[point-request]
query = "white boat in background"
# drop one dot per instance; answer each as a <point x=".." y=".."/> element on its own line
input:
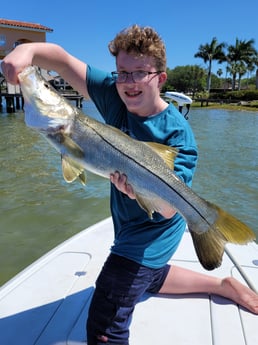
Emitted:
<point x="179" y="97"/>
<point x="181" y="100"/>
<point x="47" y="303"/>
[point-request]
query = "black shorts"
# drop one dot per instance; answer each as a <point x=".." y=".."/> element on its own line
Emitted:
<point x="119" y="287"/>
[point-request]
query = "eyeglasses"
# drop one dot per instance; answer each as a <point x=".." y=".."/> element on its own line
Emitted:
<point x="137" y="76"/>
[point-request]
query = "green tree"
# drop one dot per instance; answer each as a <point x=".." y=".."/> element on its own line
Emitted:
<point x="241" y="57"/>
<point x="209" y="52"/>
<point x="215" y="81"/>
<point x="188" y="79"/>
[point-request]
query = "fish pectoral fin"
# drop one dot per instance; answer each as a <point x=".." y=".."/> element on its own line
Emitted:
<point x="71" y="146"/>
<point x="72" y="170"/>
<point x="209" y="245"/>
<point x="167" y="153"/>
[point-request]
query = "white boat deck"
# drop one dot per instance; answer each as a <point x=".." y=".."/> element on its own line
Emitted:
<point x="47" y="303"/>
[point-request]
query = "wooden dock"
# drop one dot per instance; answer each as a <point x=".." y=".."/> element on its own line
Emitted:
<point x="14" y="101"/>
<point x="73" y="96"/>
<point x="12" y="97"/>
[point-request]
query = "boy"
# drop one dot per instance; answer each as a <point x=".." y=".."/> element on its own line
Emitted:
<point x="129" y="99"/>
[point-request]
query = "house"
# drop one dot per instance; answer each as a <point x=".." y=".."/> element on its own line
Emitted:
<point x="14" y="32"/>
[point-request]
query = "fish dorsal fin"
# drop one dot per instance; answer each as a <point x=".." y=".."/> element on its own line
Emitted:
<point x="72" y="170"/>
<point x="167" y="153"/>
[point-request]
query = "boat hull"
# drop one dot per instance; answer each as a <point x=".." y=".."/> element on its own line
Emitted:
<point x="47" y="303"/>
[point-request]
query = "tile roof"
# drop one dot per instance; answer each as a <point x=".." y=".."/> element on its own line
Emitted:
<point x="26" y="25"/>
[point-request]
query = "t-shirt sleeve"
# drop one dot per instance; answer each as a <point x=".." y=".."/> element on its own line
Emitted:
<point x="183" y="139"/>
<point x="185" y="164"/>
<point x="102" y="90"/>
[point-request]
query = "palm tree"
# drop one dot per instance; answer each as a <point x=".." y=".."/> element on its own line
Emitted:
<point x="219" y="73"/>
<point x="209" y="52"/>
<point x="241" y="57"/>
<point x="254" y="65"/>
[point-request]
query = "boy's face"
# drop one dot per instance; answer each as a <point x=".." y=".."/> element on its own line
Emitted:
<point x="141" y="98"/>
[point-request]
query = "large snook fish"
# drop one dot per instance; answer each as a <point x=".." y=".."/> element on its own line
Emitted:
<point x="85" y="143"/>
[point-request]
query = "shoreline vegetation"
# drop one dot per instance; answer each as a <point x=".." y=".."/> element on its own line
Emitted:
<point x="242" y="106"/>
<point x="228" y="103"/>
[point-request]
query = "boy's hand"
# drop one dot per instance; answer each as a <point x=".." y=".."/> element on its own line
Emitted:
<point x="119" y="180"/>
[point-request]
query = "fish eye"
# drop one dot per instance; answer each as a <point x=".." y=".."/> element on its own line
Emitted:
<point x="46" y="85"/>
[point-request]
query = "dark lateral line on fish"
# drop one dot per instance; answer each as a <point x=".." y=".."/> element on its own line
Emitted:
<point x="142" y="166"/>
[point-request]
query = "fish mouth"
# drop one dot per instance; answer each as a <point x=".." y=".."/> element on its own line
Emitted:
<point x="25" y="73"/>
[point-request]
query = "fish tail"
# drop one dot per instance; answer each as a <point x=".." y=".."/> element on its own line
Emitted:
<point x="209" y="245"/>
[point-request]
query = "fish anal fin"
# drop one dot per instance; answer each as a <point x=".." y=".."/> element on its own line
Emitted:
<point x="167" y="153"/>
<point x="72" y="170"/>
<point x="209" y="248"/>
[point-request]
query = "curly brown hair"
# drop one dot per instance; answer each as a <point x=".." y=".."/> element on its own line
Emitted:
<point x="137" y="40"/>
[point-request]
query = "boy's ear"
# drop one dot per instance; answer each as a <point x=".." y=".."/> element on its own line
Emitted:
<point x="162" y="77"/>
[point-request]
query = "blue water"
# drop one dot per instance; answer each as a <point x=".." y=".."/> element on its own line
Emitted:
<point x="39" y="210"/>
<point x="227" y="171"/>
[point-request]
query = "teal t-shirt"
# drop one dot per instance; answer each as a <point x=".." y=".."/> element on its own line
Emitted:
<point x="145" y="241"/>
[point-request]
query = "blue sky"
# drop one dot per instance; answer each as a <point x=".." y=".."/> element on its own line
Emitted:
<point x="85" y="28"/>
